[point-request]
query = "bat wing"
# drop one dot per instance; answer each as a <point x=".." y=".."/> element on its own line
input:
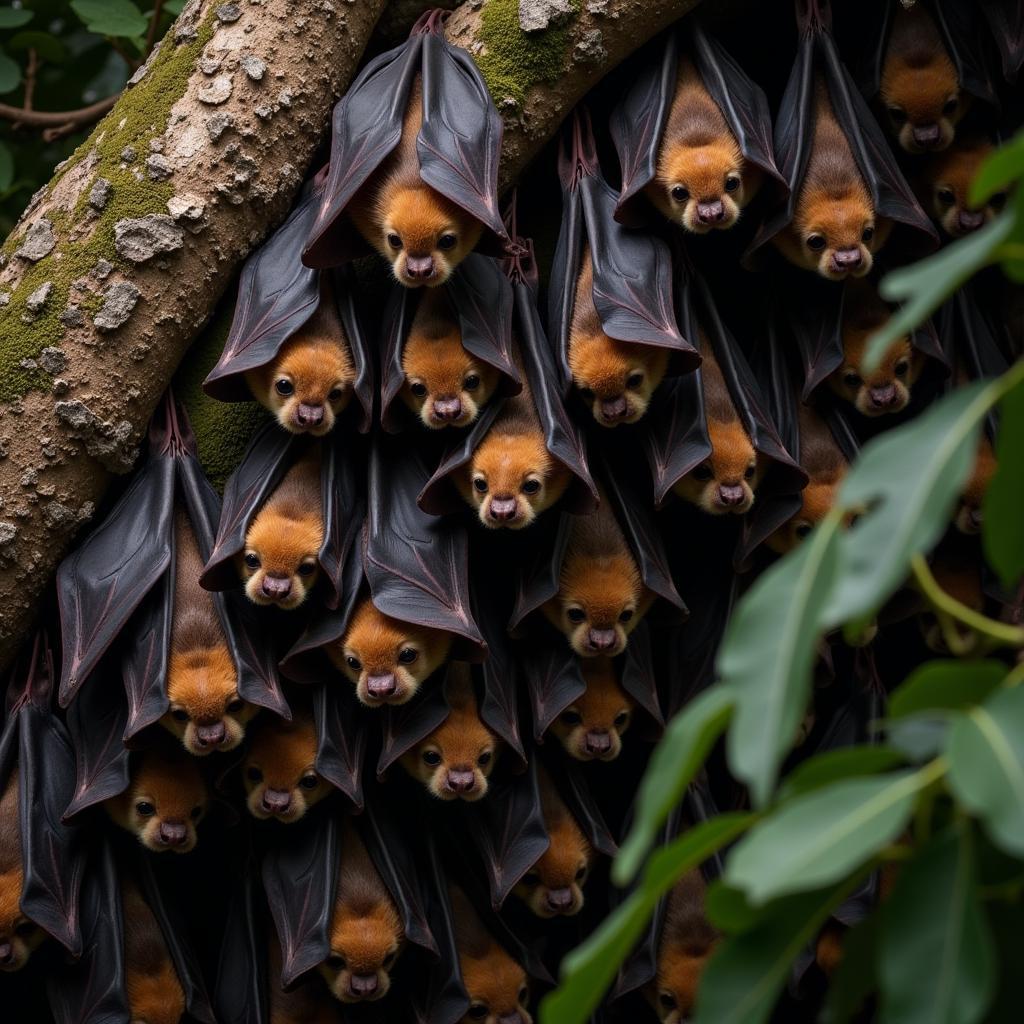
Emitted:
<point x="571" y="782"/>
<point x="565" y="272"/>
<point x="639" y="676"/>
<point x="240" y="995"/>
<point x="341" y="739"/>
<point x="553" y="681"/>
<point x="1006" y="20"/>
<point x="398" y="315"/>
<point x="342" y="508"/>
<point x="674" y="433"/>
<point x="405" y="726"/>
<point x="144" y="657"/>
<point x="538" y="581"/>
<point x="499" y="706"/>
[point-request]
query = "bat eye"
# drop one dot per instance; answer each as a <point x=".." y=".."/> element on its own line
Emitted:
<point x="950" y="106"/>
<point x="24" y="929"/>
<point x="576" y="615"/>
<point x="254" y="774"/>
<point x="586" y="394"/>
<point x="335" y="394"/>
<point x="898" y="114"/>
<point x="284" y="387"/>
<point x="581" y="874"/>
<point x="802" y="530"/>
<point x="627" y="614"/>
<point x="336" y="963"/>
<point x="748" y="473"/>
<point x="531" y="878"/>
<point x="418" y="389"/>
<point x="389" y="960"/>
<point x="634" y="380"/>
<point x="901" y="368"/>
<point x="571" y="717"/>
<point x="195" y="813"/>
<point x="484" y="759"/>
<point x="447" y="241"/>
<point x="703" y="472"/>
<point x="309" y="782"/>
<point x="851" y="380"/>
<point x="236" y="705"/>
<point x="432" y="758"/>
<point x="394" y="240"/>
<point x="477" y="1011"/>
<point x="252" y="560"/>
<point x="816" y="243"/>
<point x="480" y="485"/>
<point x="472" y="382"/>
<point x="946" y="196"/>
<point x="407" y="655"/>
<point x="353" y="663"/>
<point x="179" y="715"/>
<point x="307" y="568"/>
<point x="867" y="234"/>
<point x="732" y="183"/>
<point x="680" y="194"/>
<point x="531" y="487"/>
<point x="667" y="1000"/>
<point x="145" y="809"/>
<point x="621" y="719"/>
<point x="524" y="995"/>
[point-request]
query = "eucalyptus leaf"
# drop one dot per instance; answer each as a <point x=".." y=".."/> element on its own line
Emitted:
<point x="14" y="17"/>
<point x="844" y="763"/>
<point x="6" y="166"/>
<point x="10" y="74"/>
<point x="46" y="45"/>
<point x="1000" y="170"/>
<point x="855" y="978"/>
<point x="919" y="737"/>
<point x="1001" y="531"/>
<point x="118" y="18"/>
<point x="945" y="685"/>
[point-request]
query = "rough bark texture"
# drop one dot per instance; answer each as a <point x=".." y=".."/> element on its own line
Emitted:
<point x="120" y="260"/>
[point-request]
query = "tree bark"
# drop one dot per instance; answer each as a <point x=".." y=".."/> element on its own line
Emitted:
<point x="121" y="258"/>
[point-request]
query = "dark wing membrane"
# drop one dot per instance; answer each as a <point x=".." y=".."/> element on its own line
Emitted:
<point x="144" y="658"/>
<point x="403" y="727"/>
<point x="341" y="739"/>
<point x="240" y="994"/>
<point x="571" y="781"/>
<point x="639" y="676"/>
<point x="499" y="707"/>
<point x="553" y="680"/>
<point x="538" y="580"/>
<point x="398" y="314"/>
<point x="1006" y="20"/>
<point x="675" y="434"/>
<point x="565" y="272"/>
<point x="360" y="346"/>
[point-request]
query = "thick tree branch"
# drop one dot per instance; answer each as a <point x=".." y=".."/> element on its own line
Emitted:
<point x="64" y="120"/>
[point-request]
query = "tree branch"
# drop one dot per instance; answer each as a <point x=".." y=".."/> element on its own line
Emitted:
<point x="154" y="23"/>
<point x="57" y="119"/>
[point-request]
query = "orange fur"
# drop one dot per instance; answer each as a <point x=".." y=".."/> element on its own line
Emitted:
<point x="445" y="385"/>
<point x="828" y="951"/>
<point x="456" y="759"/>
<point x="968" y="516"/>
<point x="310" y="381"/>
<point x="949" y="177"/>
<point x="366" y="931"/>
<point x="617" y="378"/>
<point x="919" y="86"/>
<point x="397" y="206"/>
<point x="165" y="800"/>
<point x="279" y="770"/>
<point x="279" y="564"/>
<point x="702" y="181"/>
<point x="591" y="727"/>
<point x="19" y="937"/>
<point x="155" y="995"/>
<point x="388" y="659"/>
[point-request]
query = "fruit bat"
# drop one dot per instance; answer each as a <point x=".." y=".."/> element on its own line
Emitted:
<point x="592" y="726"/>
<point x="947" y="182"/>
<point x="415" y="144"/>
<point x="846" y="192"/>
<point x="448" y="353"/>
<point x="117" y="596"/>
<point x="610" y="306"/>
<point x="925" y="71"/>
<point x="295" y="341"/>
<point x="20" y="936"/>
<point x="694" y="136"/>
<point x="1006" y="20"/>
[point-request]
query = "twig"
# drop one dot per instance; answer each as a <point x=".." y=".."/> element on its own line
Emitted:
<point x="57" y="123"/>
<point x="153" y="23"/>
<point x="30" y="80"/>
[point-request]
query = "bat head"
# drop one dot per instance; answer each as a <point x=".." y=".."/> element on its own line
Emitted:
<point x="591" y="727"/>
<point x="19" y="936"/>
<point x="949" y="177"/>
<point x="279" y="563"/>
<point x="553" y="887"/>
<point x="816" y="501"/>
<point x="511" y="479"/>
<point x="279" y="773"/>
<point x="725" y="482"/>
<point x="205" y="711"/>
<point x="366" y="940"/>
<point x="968" y="516"/>
<point x="424" y="235"/>
<point x="828" y="950"/>
<point x="155" y="995"/>
<point x="388" y="659"/>
<point x="496" y="986"/>
<point x="308" y="384"/>
<point x="444" y="385"/>
<point x="961" y="580"/>
<point x="164" y="802"/>
<point x="616" y="378"/>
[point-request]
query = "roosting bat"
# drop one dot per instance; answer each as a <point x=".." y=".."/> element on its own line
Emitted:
<point x="154" y="992"/>
<point x="19" y="935"/>
<point x="591" y="727"/>
<point x="948" y="177"/>
<point x="968" y="518"/>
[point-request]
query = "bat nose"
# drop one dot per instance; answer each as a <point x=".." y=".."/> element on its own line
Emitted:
<point x="601" y="639"/>
<point x="448" y="408"/>
<point x="173" y="833"/>
<point x="597" y="742"/>
<point x="211" y="735"/>
<point x="847" y="259"/>
<point x="927" y="135"/>
<point x="883" y="397"/>
<point x="502" y="508"/>
<point x="276" y="587"/>
<point x="363" y="985"/>
<point x="460" y="780"/>
<point x="276" y="801"/>
<point x="420" y="267"/>
<point x="6" y="952"/>
<point x="975" y="518"/>
<point x="710" y="213"/>
<point x="970" y="220"/>
<point x="613" y="408"/>
<point x="559" y="900"/>
<point x="309" y="415"/>
<point x="730" y="494"/>
<point x="511" y="1018"/>
<point x="381" y="686"/>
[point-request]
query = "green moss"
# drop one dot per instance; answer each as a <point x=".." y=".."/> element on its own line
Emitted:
<point x="515" y="60"/>
<point x="222" y="429"/>
<point x="144" y="109"/>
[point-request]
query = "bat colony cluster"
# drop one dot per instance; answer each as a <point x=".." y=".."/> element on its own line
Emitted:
<point x="409" y="682"/>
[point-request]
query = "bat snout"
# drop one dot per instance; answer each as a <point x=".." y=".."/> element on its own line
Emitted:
<point x="927" y="136"/>
<point x="847" y="260"/>
<point x="211" y="735"/>
<point x="559" y="901"/>
<point x="363" y="986"/>
<point x="711" y="212"/>
<point x="597" y="742"/>
<point x="172" y="833"/>
<point x="6" y="953"/>
<point x="460" y="780"/>
<point x="307" y="416"/>
<point x="970" y="220"/>
<point x="419" y="268"/>
<point x="447" y="409"/>
<point x="276" y="588"/>
<point x="883" y="398"/>
<point x="601" y="639"/>
<point x="731" y="495"/>
<point x="502" y="508"/>
<point x="614" y="409"/>
<point x="512" y="1018"/>
<point x="276" y="801"/>
<point x="382" y="686"/>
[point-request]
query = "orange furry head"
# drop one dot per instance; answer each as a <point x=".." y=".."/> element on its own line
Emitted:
<point x="725" y="482"/>
<point x="388" y="659"/>
<point x="949" y="178"/>
<point x="19" y="936"/>
<point x="155" y="995"/>
<point x="444" y="384"/>
<point x="366" y="931"/>
<point x="591" y="727"/>
<point x="920" y="87"/>
<point x="456" y="759"/>
<point x="163" y="803"/>
<point x="816" y="501"/>
<point x="279" y="771"/>
<point x="968" y="516"/>
<point x="828" y="950"/>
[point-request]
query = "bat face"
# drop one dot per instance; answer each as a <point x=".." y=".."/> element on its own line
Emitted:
<point x="496" y="986"/>
<point x="365" y="943"/>
<point x="388" y="659"/>
<point x="949" y="177"/>
<point x="553" y="887"/>
<point x="165" y="801"/>
<point x="724" y="484"/>
<point x="702" y="187"/>
<point x="968" y="517"/>
<point x="19" y="936"/>
<point x="817" y="500"/>
<point x="309" y="383"/>
<point x="205" y="711"/>
<point x="885" y="390"/>
<point x="279" y="564"/>
<point x="920" y="88"/>
<point x="591" y="727"/>
<point x="616" y="378"/>
<point x="444" y="385"/>
<point x="279" y="771"/>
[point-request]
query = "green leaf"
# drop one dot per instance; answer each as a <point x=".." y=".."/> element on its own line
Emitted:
<point x="728" y="909"/>
<point x="10" y="74"/>
<point x="986" y="766"/>
<point x="946" y="685"/>
<point x="48" y="46"/>
<point x="909" y="479"/>
<point x="919" y="737"/>
<point x="822" y="836"/>
<point x="1001" y="530"/>
<point x="1000" y="170"/>
<point x="6" y="166"/>
<point x="11" y="17"/>
<point x="117" y="18"/>
<point x="855" y="978"/>
<point x="174" y="7"/>
<point x="685" y="746"/>
<point x="590" y="968"/>
<point x="933" y="928"/>
<point x="833" y="765"/>
<point x="767" y="654"/>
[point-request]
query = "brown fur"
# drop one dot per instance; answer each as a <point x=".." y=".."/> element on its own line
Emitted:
<point x="511" y="457"/>
<point x="824" y="463"/>
<point x="834" y="206"/>
<point x="155" y="995"/>
<point x="285" y="537"/>
<point x="918" y="81"/>
<point x="562" y="869"/>
<point x="686" y="944"/>
<point x="281" y="761"/>
<point x="366" y="931"/>
<point x="968" y="516"/>
<point x="166" y="791"/>
<point x="397" y="201"/>
<point x="460" y="746"/>
<point x="315" y="371"/>
<point x="609" y="372"/>
<point x="599" y="579"/>
<point x="202" y="682"/>
<point x="19" y="936"/>
<point x="373" y="647"/>
<point x="601" y="714"/>
<point x="887" y="389"/>
<point x="733" y="461"/>
<point x="494" y="981"/>
<point x="699" y="155"/>
<point x="438" y="367"/>
<point x="949" y="177"/>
